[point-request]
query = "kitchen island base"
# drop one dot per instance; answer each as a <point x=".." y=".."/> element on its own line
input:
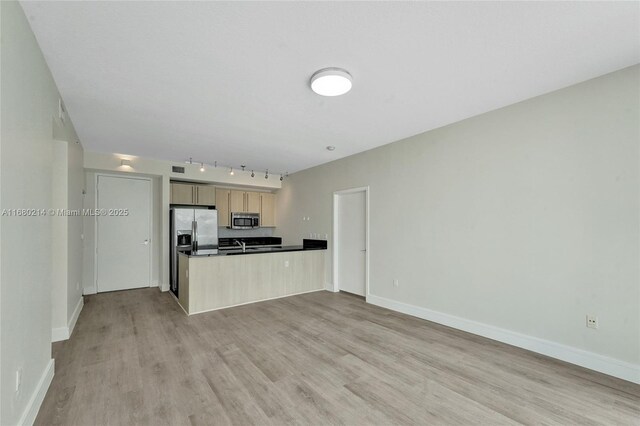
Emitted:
<point x="216" y="282"/>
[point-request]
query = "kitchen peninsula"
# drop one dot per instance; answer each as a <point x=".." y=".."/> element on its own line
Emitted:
<point x="215" y="279"/>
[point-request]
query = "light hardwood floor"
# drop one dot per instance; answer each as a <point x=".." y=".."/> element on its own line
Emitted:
<point x="318" y="358"/>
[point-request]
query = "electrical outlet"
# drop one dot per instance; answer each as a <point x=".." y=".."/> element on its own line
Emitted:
<point x="18" y="379"/>
<point x="396" y="283"/>
<point x="592" y="321"/>
<point x="286" y="263"/>
<point x="78" y="286"/>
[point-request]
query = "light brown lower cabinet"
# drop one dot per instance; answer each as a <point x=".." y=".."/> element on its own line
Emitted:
<point x="216" y="282"/>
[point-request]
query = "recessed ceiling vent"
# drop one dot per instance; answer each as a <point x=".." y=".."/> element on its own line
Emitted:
<point x="177" y="169"/>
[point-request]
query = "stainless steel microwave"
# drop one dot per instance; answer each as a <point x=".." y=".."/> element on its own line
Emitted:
<point x="245" y="220"/>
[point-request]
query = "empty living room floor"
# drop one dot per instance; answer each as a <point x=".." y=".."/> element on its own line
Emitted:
<point x="318" y="358"/>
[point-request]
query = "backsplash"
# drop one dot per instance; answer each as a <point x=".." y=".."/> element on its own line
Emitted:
<point x="224" y="232"/>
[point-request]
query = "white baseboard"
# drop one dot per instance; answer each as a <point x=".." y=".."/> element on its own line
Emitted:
<point x="60" y="333"/>
<point x="33" y="406"/>
<point x="63" y="333"/>
<point x="76" y="314"/>
<point x="593" y="361"/>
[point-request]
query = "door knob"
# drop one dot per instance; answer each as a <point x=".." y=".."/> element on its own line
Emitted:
<point x="146" y="242"/>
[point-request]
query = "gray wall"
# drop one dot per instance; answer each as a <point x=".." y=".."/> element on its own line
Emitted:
<point x="524" y="218"/>
<point x="29" y="100"/>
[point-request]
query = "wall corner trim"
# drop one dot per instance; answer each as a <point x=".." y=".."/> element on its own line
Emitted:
<point x="33" y="406"/>
<point x="591" y="360"/>
<point x="63" y="333"/>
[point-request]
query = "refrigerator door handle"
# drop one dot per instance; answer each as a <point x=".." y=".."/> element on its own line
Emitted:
<point x="194" y="233"/>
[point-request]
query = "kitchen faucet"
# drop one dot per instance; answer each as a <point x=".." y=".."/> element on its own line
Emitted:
<point x="241" y="244"/>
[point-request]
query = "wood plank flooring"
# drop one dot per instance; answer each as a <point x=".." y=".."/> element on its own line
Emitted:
<point x="318" y="358"/>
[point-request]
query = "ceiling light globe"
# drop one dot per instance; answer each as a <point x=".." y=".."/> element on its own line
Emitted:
<point x="331" y="82"/>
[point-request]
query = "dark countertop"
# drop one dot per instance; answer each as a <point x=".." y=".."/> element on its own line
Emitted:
<point x="250" y="250"/>
<point x="229" y="242"/>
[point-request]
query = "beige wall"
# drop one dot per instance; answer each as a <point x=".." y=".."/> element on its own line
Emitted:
<point x="30" y="178"/>
<point x="524" y="218"/>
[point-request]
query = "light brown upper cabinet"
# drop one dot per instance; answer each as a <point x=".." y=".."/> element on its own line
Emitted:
<point x="205" y="195"/>
<point x="267" y="209"/>
<point x="252" y="202"/>
<point x="236" y="201"/>
<point x="193" y="194"/>
<point x="223" y="206"/>
<point x="182" y="193"/>
<point x="244" y="202"/>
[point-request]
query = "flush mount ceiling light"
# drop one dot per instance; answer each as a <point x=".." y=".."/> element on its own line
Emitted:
<point x="331" y="82"/>
<point x="331" y="148"/>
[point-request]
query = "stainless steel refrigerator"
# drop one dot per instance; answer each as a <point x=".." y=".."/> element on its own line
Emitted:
<point x="191" y="229"/>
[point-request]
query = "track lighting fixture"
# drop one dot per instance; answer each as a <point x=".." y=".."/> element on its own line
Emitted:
<point x="231" y="171"/>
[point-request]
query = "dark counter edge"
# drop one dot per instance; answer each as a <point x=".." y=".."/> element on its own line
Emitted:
<point x="206" y="253"/>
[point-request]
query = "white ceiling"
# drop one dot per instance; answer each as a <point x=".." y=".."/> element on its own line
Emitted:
<point x="228" y="81"/>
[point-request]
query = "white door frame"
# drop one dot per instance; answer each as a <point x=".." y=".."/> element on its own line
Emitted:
<point x="95" y="225"/>
<point x="336" y="253"/>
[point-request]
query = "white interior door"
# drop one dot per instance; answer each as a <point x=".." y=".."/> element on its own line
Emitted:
<point x="123" y="242"/>
<point x="352" y="242"/>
